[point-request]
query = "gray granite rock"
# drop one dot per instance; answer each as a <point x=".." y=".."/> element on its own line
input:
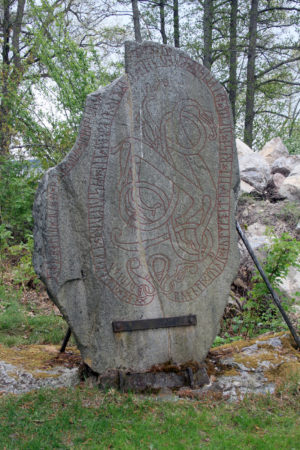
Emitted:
<point x="286" y="164"/>
<point x="273" y="150"/>
<point x="254" y="170"/>
<point x="137" y="222"/>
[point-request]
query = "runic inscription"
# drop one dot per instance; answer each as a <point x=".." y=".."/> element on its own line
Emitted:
<point x="166" y="195"/>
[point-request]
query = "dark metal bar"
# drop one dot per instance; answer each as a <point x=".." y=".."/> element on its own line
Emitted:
<point x="268" y="284"/>
<point x="147" y="324"/>
<point x="66" y="340"/>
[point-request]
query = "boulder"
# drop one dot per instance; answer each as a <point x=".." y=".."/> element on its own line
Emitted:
<point x="242" y="148"/>
<point x="254" y="170"/>
<point x="273" y="150"/>
<point x="285" y="164"/>
<point x="290" y="188"/>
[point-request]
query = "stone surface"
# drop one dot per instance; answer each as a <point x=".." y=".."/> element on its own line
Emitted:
<point x="285" y="164"/>
<point x="242" y="148"/>
<point x="290" y="286"/>
<point x="273" y="150"/>
<point x="155" y="380"/>
<point x="137" y="222"/>
<point x="278" y="179"/>
<point x="250" y="367"/>
<point x="290" y="188"/>
<point x="15" y="380"/>
<point x="246" y="188"/>
<point x="256" y="235"/>
<point x="37" y="366"/>
<point x="254" y="170"/>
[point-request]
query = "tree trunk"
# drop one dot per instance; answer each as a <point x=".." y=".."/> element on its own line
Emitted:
<point x="16" y="33"/>
<point x="4" y="109"/>
<point x="208" y="12"/>
<point x="162" y="21"/>
<point x="176" y="23"/>
<point x="136" y="21"/>
<point x="250" y="90"/>
<point x="232" y="85"/>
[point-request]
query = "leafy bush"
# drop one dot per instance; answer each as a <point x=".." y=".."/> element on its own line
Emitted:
<point x="18" y="183"/>
<point x="257" y="312"/>
<point x="23" y="272"/>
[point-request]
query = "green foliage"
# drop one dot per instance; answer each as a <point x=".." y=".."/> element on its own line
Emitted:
<point x="23" y="272"/>
<point x="225" y="339"/>
<point x="260" y="313"/>
<point x="256" y="313"/>
<point x="292" y="141"/>
<point x="18" y="182"/>
<point x="72" y="73"/>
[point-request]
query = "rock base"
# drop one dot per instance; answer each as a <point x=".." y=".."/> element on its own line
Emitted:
<point x="160" y="377"/>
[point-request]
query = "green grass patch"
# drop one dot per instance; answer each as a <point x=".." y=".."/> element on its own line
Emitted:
<point x="21" y="324"/>
<point x="86" y="418"/>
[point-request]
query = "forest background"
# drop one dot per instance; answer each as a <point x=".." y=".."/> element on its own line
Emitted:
<point x="55" y="52"/>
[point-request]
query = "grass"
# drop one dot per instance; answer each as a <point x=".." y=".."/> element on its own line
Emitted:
<point x="24" y="324"/>
<point x="86" y="418"/>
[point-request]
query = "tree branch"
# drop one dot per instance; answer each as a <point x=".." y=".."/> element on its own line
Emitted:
<point x="261" y="74"/>
<point x="275" y="113"/>
<point x="273" y="80"/>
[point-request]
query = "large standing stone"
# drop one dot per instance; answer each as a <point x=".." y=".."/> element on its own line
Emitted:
<point x="137" y="222"/>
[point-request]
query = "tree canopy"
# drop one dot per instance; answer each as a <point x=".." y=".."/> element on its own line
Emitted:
<point x="54" y="52"/>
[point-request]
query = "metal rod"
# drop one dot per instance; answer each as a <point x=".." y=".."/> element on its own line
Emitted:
<point x="66" y="340"/>
<point x="268" y="284"/>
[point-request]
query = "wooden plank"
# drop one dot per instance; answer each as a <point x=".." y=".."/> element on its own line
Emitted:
<point x="149" y="324"/>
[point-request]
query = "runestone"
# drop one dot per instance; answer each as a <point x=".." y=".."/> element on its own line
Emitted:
<point x="137" y="222"/>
